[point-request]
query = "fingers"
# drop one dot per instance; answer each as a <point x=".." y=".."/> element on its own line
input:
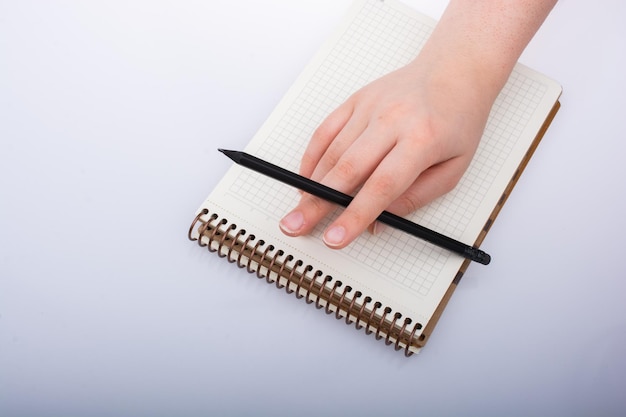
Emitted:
<point x="397" y="185"/>
<point x="323" y="136"/>
<point x="349" y="172"/>
<point x="394" y="174"/>
<point x="352" y="134"/>
<point x="430" y="185"/>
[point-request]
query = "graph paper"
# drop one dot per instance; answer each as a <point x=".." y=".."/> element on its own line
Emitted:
<point x="408" y="273"/>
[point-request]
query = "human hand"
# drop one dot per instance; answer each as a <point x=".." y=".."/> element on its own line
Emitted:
<point x="408" y="137"/>
<point x="402" y="141"/>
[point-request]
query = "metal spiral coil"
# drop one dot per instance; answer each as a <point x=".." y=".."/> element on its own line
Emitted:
<point x="283" y="270"/>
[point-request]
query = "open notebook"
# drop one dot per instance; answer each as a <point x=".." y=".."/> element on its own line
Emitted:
<point x="393" y="285"/>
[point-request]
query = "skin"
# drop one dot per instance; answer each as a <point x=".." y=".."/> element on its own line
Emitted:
<point x="408" y="137"/>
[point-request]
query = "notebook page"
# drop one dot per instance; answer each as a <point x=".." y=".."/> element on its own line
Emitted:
<point x="401" y="271"/>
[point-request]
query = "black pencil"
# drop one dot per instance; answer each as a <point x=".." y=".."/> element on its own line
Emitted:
<point x="337" y="197"/>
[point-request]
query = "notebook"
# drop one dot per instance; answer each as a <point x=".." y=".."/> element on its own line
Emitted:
<point x="392" y="285"/>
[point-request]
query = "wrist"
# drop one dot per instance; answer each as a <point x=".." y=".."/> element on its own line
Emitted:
<point x="459" y="78"/>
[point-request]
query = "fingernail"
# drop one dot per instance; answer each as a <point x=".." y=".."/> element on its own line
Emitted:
<point x="335" y="236"/>
<point x="292" y="223"/>
<point x="379" y="228"/>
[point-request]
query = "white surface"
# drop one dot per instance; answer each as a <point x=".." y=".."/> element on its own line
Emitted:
<point x="110" y="116"/>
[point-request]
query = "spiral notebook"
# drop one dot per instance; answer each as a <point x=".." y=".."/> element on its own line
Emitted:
<point x="392" y="285"/>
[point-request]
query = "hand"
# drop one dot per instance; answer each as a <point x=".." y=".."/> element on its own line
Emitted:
<point x="402" y="141"/>
<point x="408" y="137"/>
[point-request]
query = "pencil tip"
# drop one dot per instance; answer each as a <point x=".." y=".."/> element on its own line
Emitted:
<point x="234" y="155"/>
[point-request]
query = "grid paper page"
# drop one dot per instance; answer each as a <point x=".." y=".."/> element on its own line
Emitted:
<point x="380" y="37"/>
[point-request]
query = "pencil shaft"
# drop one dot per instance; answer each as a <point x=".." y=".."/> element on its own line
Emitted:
<point x="324" y="192"/>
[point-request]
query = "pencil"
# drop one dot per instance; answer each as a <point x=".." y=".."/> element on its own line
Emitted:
<point x="337" y="197"/>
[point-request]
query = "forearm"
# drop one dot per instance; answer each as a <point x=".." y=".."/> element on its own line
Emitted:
<point x="483" y="39"/>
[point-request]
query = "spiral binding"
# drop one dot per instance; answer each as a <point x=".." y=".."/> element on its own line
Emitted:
<point x="263" y="259"/>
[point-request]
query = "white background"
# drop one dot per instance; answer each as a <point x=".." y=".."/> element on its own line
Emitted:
<point x="110" y="116"/>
